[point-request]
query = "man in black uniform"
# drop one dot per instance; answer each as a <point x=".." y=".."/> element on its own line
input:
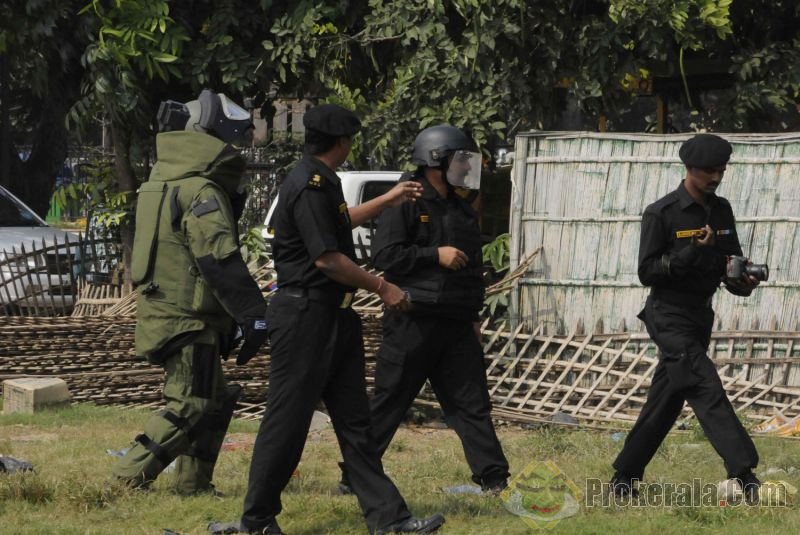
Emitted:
<point x="432" y="250"/>
<point x="316" y="345"/>
<point x="686" y="239"/>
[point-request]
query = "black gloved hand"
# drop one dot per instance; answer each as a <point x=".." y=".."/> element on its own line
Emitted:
<point x="254" y="332"/>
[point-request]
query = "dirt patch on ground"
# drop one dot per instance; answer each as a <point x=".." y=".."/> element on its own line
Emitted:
<point x="27" y="434"/>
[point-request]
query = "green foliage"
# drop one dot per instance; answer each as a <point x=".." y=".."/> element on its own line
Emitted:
<point x="137" y="41"/>
<point x="493" y="67"/>
<point x="404" y="66"/>
<point x="253" y="246"/>
<point x="98" y="187"/>
<point x="690" y="20"/>
<point x="134" y="33"/>
<point x="495" y="303"/>
<point x="497" y="252"/>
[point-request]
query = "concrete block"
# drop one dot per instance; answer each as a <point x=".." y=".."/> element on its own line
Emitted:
<point x="30" y="394"/>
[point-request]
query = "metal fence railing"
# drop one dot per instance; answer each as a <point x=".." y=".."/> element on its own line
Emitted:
<point x="43" y="278"/>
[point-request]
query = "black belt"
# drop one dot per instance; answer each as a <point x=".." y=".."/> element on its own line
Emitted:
<point x="328" y="297"/>
<point x="674" y="297"/>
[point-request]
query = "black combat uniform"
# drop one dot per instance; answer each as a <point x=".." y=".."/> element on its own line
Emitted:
<point x="436" y="340"/>
<point x="678" y="316"/>
<point x="316" y="352"/>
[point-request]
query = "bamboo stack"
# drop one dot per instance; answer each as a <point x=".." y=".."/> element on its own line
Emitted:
<point x="599" y="379"/>
<point x="95" y="299"/>
<point x="95" y="356"/>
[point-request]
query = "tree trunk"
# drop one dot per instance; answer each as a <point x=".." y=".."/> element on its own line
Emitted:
<point x="127" y="182"/>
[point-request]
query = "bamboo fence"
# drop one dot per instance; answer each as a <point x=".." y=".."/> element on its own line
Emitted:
<point x="46" y="277"/>
<point x="599" y="379"/>
<point x="576" y="205"/>
<point x="603" y="378"/>
<point x="578" y="197"/>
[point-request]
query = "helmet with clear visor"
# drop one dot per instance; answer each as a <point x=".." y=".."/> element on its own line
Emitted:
<point x="450" y="149"/>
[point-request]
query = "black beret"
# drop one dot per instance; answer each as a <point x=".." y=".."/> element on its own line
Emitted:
<point x="332" y="120"/>
<point x="705" y="151"/>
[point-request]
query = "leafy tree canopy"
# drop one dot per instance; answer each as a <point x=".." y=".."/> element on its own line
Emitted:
<point x="490" y="66"/>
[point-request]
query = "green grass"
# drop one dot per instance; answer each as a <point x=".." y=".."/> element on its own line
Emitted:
<point x="67" y="494"/>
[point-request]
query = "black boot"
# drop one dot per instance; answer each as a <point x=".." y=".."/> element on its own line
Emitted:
<point x="272" y="528"/>
<point x="623" y="486"/>
<point x="750" y="485"/>
<point x="495" y="488"/>
<point x="414" y="525"/>
<point x="344" y="483"/>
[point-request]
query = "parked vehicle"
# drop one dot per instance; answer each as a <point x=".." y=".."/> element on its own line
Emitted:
<point x="358" y="187"/>
<point x="37" y="268"/>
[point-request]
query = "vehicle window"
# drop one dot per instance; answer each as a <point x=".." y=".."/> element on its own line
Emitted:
<point x="375" y="189"/>
<point x="15" y="214"/>
<point x="370" y="191"/>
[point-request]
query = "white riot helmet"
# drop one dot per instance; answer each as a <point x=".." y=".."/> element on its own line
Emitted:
<point x="450" y="149"/>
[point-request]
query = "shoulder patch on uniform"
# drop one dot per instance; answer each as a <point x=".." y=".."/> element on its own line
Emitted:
<point x="205" y="207"/>
<point x="315" y="181"/>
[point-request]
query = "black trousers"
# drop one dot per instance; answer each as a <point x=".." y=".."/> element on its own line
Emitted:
<point x="417" y="348"/>
<point x="316" y="352"/>
<point x="685" y="373"/>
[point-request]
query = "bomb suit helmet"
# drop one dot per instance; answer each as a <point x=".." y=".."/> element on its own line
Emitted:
<point x="212" y="113"/>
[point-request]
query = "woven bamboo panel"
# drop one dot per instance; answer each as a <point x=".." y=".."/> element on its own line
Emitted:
<point x="600" y="379"/>
<point x="578" y="197"/>
<point x="603" y="378"/>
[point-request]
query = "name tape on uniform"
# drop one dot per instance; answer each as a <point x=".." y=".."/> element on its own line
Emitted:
<point x="689" y="233"/>
<point x="423" y="218"/>
<point x="699" y="232"/>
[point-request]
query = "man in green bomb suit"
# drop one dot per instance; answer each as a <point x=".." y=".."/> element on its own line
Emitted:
<point x="195" y="296"/>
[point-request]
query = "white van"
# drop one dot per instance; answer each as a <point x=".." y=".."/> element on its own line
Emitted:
<point x="358" y="187"/>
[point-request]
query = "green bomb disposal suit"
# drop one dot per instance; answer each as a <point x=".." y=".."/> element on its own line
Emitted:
<point x="192" y="289"/>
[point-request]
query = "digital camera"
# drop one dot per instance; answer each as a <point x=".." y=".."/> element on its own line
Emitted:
<point x="741" y="265"/>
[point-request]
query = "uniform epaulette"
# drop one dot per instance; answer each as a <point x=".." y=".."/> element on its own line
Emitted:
<point x="315" y="181"/>
<point x="663" y="202"/>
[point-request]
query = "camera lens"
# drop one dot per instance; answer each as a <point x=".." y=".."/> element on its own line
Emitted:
<point x="759" y="271"/>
